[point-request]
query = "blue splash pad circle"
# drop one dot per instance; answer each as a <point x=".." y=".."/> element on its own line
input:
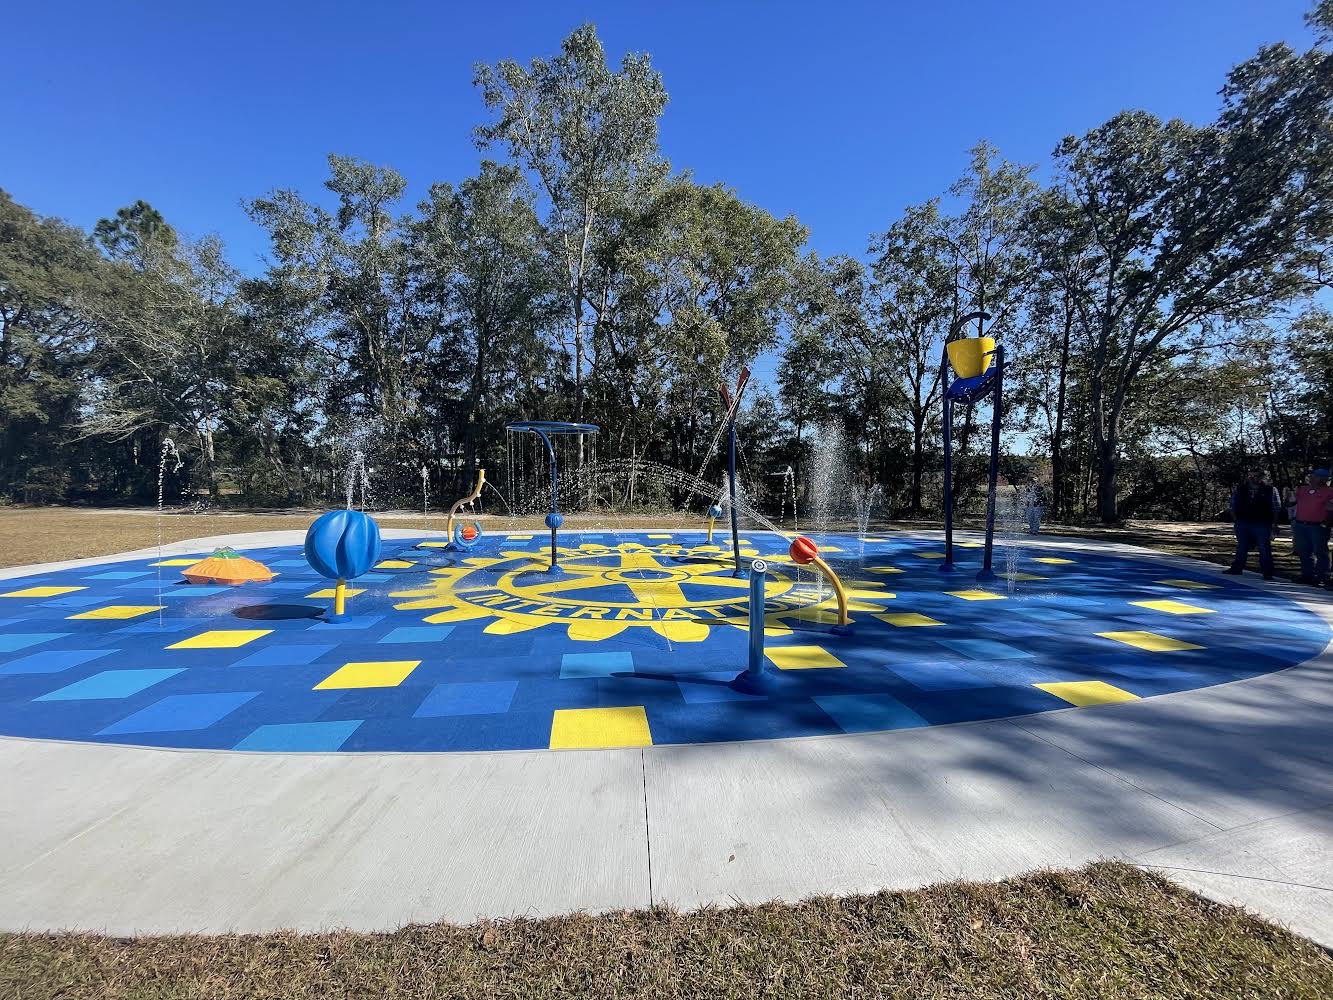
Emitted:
<point x="635" y="642"/>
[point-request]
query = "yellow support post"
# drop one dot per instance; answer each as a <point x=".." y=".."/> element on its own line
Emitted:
<point x="805" y="552"/>
<point x="453" y="511"/>
<point x="843" y="617"/>
<point x="340" y="598"/>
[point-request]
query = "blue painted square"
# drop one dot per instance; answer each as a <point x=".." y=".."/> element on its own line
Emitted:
<point x="298" y="736"/>
<point x="287" y="585"/>
<point x="120" y="574"/>
<point x="373" y="577"/>
<point x="52" y="661"/>
<point x="15" y="641"/>
<point x="1018" y="630"/>
<point x="110" y="684"/>
<point x="469" y="698"/>
<point x="711" y="686"/>
<point x="860" y="713"/>
<point x="180" y="713"/>
<point x="418" y="633"/>
<point x="78" y="601"/>
<point x="596" y="664"/>
<point x="937" y="675"/>
<point x="288" y="563"/>
<point x="984" y="649"/>
<point x="295" y="655"/>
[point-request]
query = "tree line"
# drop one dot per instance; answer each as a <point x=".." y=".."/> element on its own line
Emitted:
<point x="1158" y="294"/>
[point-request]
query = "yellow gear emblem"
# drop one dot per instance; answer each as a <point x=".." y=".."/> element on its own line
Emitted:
<point x="678" y="591"/>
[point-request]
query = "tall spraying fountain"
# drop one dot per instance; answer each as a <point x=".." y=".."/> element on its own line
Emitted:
<point x="865" y="498"/>
<point x="356" y="471"/>
<point x="168" y="451"/>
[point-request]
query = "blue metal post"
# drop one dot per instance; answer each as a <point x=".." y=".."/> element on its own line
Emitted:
<point x="947" y="564"/>
<point x="758" y="569"/>
<point x="997" y="410"/>
<point x="731" y="481"/>
<point x="553" y="519"/>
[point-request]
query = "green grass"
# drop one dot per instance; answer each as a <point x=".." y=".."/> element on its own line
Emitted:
<point x="1109" y="931"/>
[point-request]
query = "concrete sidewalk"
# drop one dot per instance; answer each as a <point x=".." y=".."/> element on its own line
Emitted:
<point x="1224" y="789"/>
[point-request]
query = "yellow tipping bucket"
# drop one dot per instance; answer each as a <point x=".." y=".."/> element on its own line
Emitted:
<point x="971" y="356"/>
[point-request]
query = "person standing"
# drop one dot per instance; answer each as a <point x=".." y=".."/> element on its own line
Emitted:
<point x="1036" y="506"/>
<point x="1309" y="527"/>
<point x="1254" y="507"/>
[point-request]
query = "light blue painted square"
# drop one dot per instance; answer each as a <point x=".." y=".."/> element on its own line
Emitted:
<point x="122" y="574"/>
<point x="288" y="563"/>
<point x="348" y="622"/>
<point x="1043" y="611"/>
<point x="1018" y="629"/>
<point x="168" y="625"/>
<point x="296" y="654"/>
<point x="419" y="633"/>
<point x="110" y="684"/>
<point x="984" y="649"/>
<point x="939" y="675"/>
<point x="299" y="736"/>
<point x="468" y="698"/>
<point x="52" y="661"/>
<point x="711" y="686"/>
<point x="373" y="577"/>
<point x="596" y="664"/>
<point x="15" y="641"/>
<point x="180" y="713"/>
<point x="288" y="585"/>
<point x="862" y="713"/>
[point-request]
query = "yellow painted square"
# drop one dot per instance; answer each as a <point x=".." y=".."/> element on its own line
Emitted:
<point x="433" y="545"/>
<point x="1174" y="607"/>
<point x="600" y="728"/>
<point x="1021" y="577"/>
<point x="884" y="569"/>
<point x="518" y="538"/>
<point x="929" y="555"/>
<point x="221" y="638"/>
<point x="1150" y="641"/>
<point x="659" y="536"/>
<point x="368" y="674"/>
<point x="1189" y="584"/>
<point x="970" y="545"/>
<point x="331" y="592"/>
<point x="909" y="620"/>
<point x="188" y="561"/>
<point x="118" y="612"/>
<point x="1053" y="561"/>
<point x="395" y="564"/>
<point x="42" y="591"/>
<point x="802" y="658"/>
<point x="975" y="595"/>
<point x="1084" y="693"/>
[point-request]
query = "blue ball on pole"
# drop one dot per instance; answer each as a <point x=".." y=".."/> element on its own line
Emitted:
<point x="342" y="545"/>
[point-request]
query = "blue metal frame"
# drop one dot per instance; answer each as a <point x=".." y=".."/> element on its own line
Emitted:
<point x="544" y="429"/>
<point x="969" y="391"/>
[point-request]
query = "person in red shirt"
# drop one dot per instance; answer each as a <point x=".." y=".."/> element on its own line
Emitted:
<point x="1309" y="527"/>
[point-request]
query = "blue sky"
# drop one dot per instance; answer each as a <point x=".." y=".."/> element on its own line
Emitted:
<point x="839" y="113"/>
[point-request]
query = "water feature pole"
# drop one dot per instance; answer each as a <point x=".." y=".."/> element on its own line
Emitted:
<point x="756" y="678"/>
<point x="733" y="405"/>
<point x="997" y="408"/>
<point x="947" y="564"/>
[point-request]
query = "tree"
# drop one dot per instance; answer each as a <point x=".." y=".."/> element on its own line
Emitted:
<point x="1196" y="230"/>
<point x="589" y="136"/>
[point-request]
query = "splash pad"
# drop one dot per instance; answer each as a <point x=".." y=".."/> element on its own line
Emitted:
<point x="637" y="642"/>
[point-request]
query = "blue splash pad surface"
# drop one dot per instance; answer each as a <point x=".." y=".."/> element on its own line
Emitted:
<point x="635" y="643"/>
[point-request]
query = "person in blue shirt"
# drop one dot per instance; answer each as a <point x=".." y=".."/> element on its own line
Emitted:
<point x="1254" y="509"/>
